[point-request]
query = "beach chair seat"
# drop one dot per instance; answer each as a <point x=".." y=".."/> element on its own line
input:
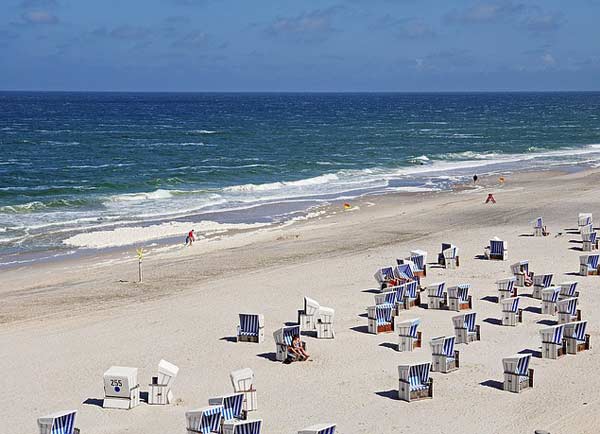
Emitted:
<point x="160" y="392"/>
<point x="387" y="297"/>
<point x="380" y="318"/>
<point x="538" y="228"/>
<point x="242" y="381"/>
<point x="307" y="316"/>
<point x="506" y="288"/>
<point x="517" y="374"/>
<point x="62" y="422"/>
<point x="590" y="241"/>
<point x="414" y="382"/>
<point x="553" y="344"/>
<point x="497" y="250"/>
<point x="409" y="337"/>
<point x="242" y="426"/>
<point x="251" y="328"/>
<point x="459" y="298"/>
<point x="584" y="219"/>
<point x="521" y="271"/>
<point x="204" y="420"/>
<point x="445" y="358"/>
<point x="283" y="340"/>
<point x="121" y="388"/>
<point x="465" y="329"/>
<point x="325" y="317"/>
<point x="321" y="428"/>
<point x="540" y="282"/>
<point x="232" y="405"/>
<point x="568" y="290"/>
<point x="576" y="338"/>
<point x="588" y="265"/>
<point x="437" y="298"/>
<point x="511" y="314"/>
<point x="384" y="276"/>
<point x="567" y="310"/>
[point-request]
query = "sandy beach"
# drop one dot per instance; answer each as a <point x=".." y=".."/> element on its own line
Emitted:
<point x="63" y="324"/>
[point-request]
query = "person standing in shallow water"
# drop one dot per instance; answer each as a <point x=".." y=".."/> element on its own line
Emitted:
<point x="475" y="178"/>
<point x="189" y="240"/>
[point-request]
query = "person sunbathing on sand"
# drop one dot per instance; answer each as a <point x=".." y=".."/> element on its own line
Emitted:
<point x="297" y="349"/>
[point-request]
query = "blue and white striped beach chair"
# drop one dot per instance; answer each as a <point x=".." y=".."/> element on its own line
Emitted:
<point x="465" y="329"/>
<point x="540" y="282"/>
<point x="251" y="328"/>
<point x="232" y="405"/>
<point x="498" y="249"/>
<point x="459" y="298"/>
<point x="538" y="227"/>
<point x="436" y="296"/>
<point x="418" y="261"/>
<point x="511" y="314"/>
<point x="584" y="219"/>
<point x="388" y="297"/>
<point x="445" y="357"/>
<point x="204" y="420"/>
<point x="568" y="290"/>
<point x="567" y="310"/>
<point x="588" y="265"/>
<point x="414" y="382"/>
<point x="506" y="288"/>
<point x="242" y="381"/>
<point x="62" y="422"/>
<point x="409" y="337"/>
<point x="242" y="427"/>
<point x="517" y="375"/>
<point x="412" y="295"/>
<point x="590" y="241"/>
<point x="283" y="340"/>
<point x="383" y="276"/>
<point x="576" y="338"/>
<point x="449" y="257"/>
<point x="400" y="291"/>
<point x="549" y="299"/>
<point x="404" y="273"/>
<point x="322" y="428"/>
<point x="380" y="318"/>
<point x="553" y="345"/>
<point x="521" y="272"/>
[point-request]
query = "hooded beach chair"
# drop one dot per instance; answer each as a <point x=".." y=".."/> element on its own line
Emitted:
<point x="538" y="227"/>
<point x="540" y="282"/>
<point x="325" y="317"/>
<point x="121" y="388"/>
<point x="498" y="249"/>
<point x="414" y="382"/>
<point x="322" y="428"/>
<point x="436" y="296"/>
<point x="459" y="298"/>
<point x="553" y="344"/>
<point x="384" y="276"/>
<point x="204" y="420"/>
<point x="521" y="271"/>
<point x="567" y="310"/>
<point x="568" y="290"/>
<point x="387" y="297"/>
<point x="584" y="219"/>
<point x="511" y="314"/>
<point x="590" y="241"/>
<point x="506" y="288"/>
<point x="242" y="427"/>
<point x="465" y="329"/>
<point x="417" y="261"/>
<point x="408" y="336"/>
<point x="412" y="295"/>
<point x="242" y="381"/>
<point x="575" y="337"/>
<point x="400" y="297"/>
<point x="160" y="389"/>
<point x="232" y="405"/>
<point x="283" y="340"/>
<point x="251" y="328"/>
<point x="449" y="257"/>
<point x="307" y="316"/>
<point x="62" y="422"/>
<point x="444" y="357"/>
<point x="380" y="318"/>
<point x="588" y="265"/>
<point x="404" y="273"/>
<point x="549" y="299"/>
<point x="517" y="374"/>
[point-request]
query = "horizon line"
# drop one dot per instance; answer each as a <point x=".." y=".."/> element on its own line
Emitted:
<point x="298" y="91"/>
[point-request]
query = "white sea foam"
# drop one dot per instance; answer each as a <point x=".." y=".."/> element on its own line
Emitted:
<point x="317" y="180"/>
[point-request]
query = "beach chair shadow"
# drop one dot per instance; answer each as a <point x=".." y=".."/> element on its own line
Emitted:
<point x="290" y="323"/>
<point x="229" y="339"/>
<point x="363" y="315"/>
<point x="572" y="273"/>
<point x="269" y="356"/>
<point x="534" y="353"/>
<point x="360" y="329"/>
<point x="481" y="257"/>
<point x="533" y="309"/>
<point x="390" y="394"/>
<point x="389" y="345"/>
<point x="547" y="322"/>
<point x="490" y="298"/>
<point x="577" y="249"/>
<point x="576" y="241"/>
<point x="94" y="401"/>
<point x="499" y="385"/>
<point x="493" y="321"/>
<point x="371" y="291"/>
<point x="526" y="235"/>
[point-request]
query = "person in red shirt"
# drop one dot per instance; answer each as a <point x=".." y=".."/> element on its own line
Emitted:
<point x="189" y="240"/>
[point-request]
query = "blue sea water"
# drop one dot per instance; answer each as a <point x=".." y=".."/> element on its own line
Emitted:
<point x="73" y="162"/>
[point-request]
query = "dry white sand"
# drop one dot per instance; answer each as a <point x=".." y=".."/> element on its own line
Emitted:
<point x="64" y="324"/>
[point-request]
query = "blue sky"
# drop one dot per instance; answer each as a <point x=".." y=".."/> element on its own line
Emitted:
<point x="299" y="45"/>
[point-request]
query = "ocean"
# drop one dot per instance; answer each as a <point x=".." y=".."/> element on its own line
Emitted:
<point x="72" y="164"/>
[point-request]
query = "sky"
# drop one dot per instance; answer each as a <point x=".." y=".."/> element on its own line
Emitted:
<point x="299" y="45"/>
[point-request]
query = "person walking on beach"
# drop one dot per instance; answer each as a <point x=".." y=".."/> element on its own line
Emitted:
<point x="189" y="240"/>
<point x="475" y="178"/>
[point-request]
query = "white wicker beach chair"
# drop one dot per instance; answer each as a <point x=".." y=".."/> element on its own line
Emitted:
<point x="517" y="374"/>
<point x="445" y="357"/>
<point x="588" y="265"/>
<point x="511" y="314"/>
<point x="325" y="317"/>
<point x="160" y="392"/>
<point x="409" y="337"/>
<point x="540" y="282"/>
<point x="437" y="296"/>
<point x="242" y="427"/>
<point x="465" y="329"/>
<point x="307" y="316"/>
<point x="121" y="388"/>
<point x="506" y="288"/>
<point x="553" y="344"/>
<point x="205" y="420"/>
<point x="322" y="428"/>
<point x="459" y="298"/>
<point x="567" y="310"/>
<point x="576" y="338"/>
<point x="243" y="382"/>
<point x="549" y="299"/>
<point x="521" y="271"/>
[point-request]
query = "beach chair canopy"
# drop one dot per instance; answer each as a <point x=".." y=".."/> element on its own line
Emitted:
<point x="384" y="274"/>
<point x="411" y="289"/>
<point x="388" y="297"/>
<point x="404" y="272"/>
<point x="250" y="324"/>
<point x="436" y="289"/>
<point x="383" y="313"/>
<point x="568" y="289"/>
<point x="205" y="420"/>
<point x="497" y="246"/>
<point x="551" y="294"/>
<point x="538" y="223"/>
<point x="242" y="379"/>
<point x="62" y="422"/>
<point x="419" y="253"/>
<point x="567" y="305"/>
<point x="590" y="260"/>
<point x="520" y="267"/>
<point x="589" y="237"/>
<point x="517" y="364"/>
<point x="310" y="306"/>
<point x="285" y="335"/>
<point x="543" y="280"/>
<point x="460" y="291"/>
<point x="443" y="345"/>
<point x="416" y="375"/>
<point x="232" y="405"/>
<point x="553" y="335"/>
<point x="408" y="328"/>
<point x="321" y="428"/>
<point x="575" y="330"/>
<point x="166" y="372"/>
<point x="510" y="304"/>
<point x="465" y="321"/>
<point x="584" y="219"/>
<point x="400" y="291"/>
